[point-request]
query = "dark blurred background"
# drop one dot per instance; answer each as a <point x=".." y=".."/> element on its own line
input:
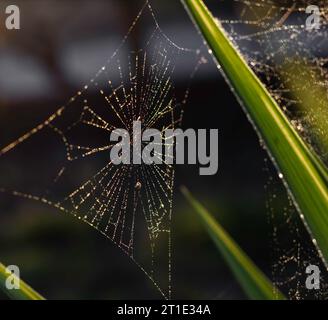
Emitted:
<point x="60" y="46"/>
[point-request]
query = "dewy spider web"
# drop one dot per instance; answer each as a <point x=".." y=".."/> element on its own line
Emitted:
<point x="129" y="204"/>
<point x="291" y="61"/>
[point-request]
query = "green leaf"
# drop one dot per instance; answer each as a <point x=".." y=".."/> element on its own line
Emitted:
<point x="304" y="174"/>
<point x="25" y="292"/>
<point x="255" y="284"/>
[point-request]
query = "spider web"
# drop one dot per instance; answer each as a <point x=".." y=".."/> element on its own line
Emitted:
<point x="290" y="60"/>
<point x="66" y="161"/>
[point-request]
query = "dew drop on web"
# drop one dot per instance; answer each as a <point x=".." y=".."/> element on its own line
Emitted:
<point x="138" y="186"/>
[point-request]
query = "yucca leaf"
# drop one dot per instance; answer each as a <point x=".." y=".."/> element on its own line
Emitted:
<point x="25" y="292"/>
<point x="304" y="174"/>
<point x="255" y="284"/>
